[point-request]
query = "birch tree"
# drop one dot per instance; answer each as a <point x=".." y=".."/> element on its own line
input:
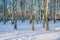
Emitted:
<point x="47" y="27"/>
<point x="32" y="14"/>
<point x="43" y="12"/>
<point x="15" y="13"/>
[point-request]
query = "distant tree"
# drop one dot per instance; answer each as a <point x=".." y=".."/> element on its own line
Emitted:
<point x="43" y="13"/>
<point x="30" y="8"/>
<point x="12" y="21"/>
<point x="25" y="13"/>
<point x="15" y="22"/>
<point x="55" y="9"/>
<point x="5" y="11"/>
<point x="0" y="19"/>
<point x="19" y="8"/>
<point x="15" y="13"/>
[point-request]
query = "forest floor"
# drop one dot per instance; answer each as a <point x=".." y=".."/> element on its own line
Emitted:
<point x="24" y="31"/>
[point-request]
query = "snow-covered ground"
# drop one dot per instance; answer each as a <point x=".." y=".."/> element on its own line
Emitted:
<point x="24" y="31"/>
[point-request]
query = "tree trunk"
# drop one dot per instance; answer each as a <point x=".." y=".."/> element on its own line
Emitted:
<point x="32" y="15"/>
<point x="43" y="18"/>
<point x="15" y="24"/>
<point x="5" y="12"/>
<point x="32" y="24"/>
<point x="47" y="27"/>
<point x="15" y="13"/>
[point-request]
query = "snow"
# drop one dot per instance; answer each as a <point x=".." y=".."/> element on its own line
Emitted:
<point x="24" y="31"/>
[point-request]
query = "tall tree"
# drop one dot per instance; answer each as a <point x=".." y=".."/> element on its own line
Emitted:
<point x="43" y="13"/>
<point x="12" y="19"/>
<point x="15" y="13"/>
<point x="25" y="14"/>
<point x="32" y="14"/>
<point x="37" y="14"/>
<point x="47" y="27"/>
<point x="39" y="10"/>
<point x="55" y="10"/>
<point x="5" y="11"/>
<point x="19" y="8"/>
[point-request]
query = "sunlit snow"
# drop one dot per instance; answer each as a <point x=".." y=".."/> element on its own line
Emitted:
<point x="24" y="31"/>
